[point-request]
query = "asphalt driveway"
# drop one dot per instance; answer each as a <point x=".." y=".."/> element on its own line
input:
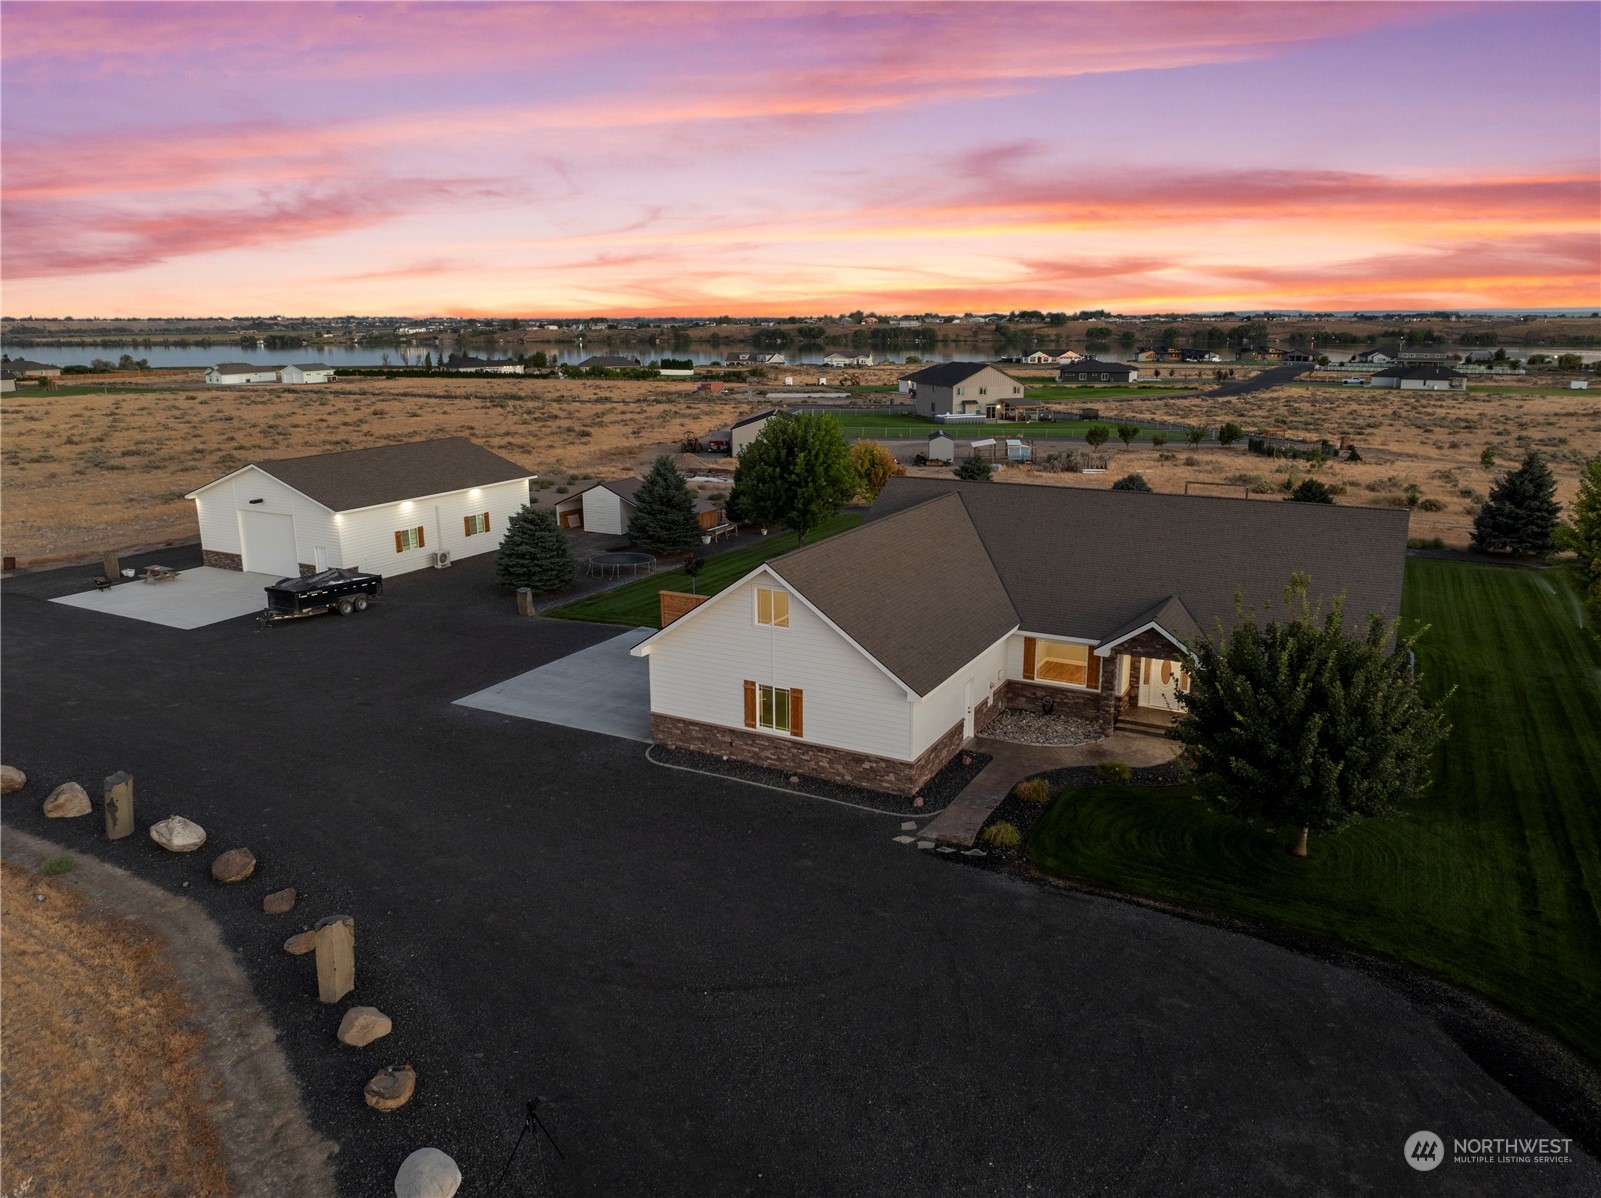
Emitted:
<point x="716" y="989"/>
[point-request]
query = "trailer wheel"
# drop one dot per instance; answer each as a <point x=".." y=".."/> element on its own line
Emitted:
<point x="345" y="607"/>
<point x="361" y="603"/>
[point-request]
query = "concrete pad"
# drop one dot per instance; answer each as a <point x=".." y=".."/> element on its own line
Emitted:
<point x="599" y="689"/>
<point x="192" y="600"/>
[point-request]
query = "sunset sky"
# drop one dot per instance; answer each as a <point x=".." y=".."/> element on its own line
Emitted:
<point x="582" y="159"/>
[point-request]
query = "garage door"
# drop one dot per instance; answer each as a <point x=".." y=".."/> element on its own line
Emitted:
<point x="268" y="540"/>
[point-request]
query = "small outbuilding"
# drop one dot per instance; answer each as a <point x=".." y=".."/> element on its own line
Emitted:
<point x="607" y="507"/>
<point x="386" y="510"/>
<point x="941" y="448"/>
<point x="8" y="382"/>
<point x="307" y="372"/>
<point x="238" y="374"/>
<point x="747" y="430"/>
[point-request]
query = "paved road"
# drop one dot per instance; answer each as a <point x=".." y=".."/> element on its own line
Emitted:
<point x="717" y="989"/>
<point x="1273" y="376"/>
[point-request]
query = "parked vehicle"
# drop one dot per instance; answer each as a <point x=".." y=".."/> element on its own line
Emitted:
<point x="343" y="592"/>
<point x="1355" y="380"/>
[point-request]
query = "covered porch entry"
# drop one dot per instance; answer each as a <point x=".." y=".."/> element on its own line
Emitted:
<point x="1147" y="668"/>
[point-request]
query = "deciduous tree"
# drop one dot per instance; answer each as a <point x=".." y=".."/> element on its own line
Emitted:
<point x="797" y="472"/>
<point x="874" y="466"/>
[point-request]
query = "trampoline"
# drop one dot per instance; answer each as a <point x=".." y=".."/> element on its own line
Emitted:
<point x="612" y="565"/>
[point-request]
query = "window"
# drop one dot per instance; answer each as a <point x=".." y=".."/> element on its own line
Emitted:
<point x="409" y="538"/>
<point x="983" y="390"/>
<point x="773" y="708"/>
<point x="1056" y="662"/>
<point x="476" y="524"/>
<point x="772" y="607"/>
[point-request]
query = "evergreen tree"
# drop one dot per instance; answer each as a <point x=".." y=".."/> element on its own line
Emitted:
<point x="1521" y="513"/>
<point x="974" y="469"/>
<point x="535" y="553"/>
<point x="664" y="511"/>
<point x="796" y="473"/>
<point x="1132" y="482"/>
<point x="1311" y="490"/>
<point x="1298" y="724"/>
<point x="1582" y="535"/>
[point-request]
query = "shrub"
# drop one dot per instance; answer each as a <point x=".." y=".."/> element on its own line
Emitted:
<point x="1001" y="836"/>
<point x="1132" y="482"/>
<point x="1197" y="433"/>
<point x="1487" y="458"/>
<point x="1431" y="505"/>
<point x="1310" y="490"/>
<point x="1351" y="455"/>
<point x="1033" y="790"/>
<point x="974" y="469"/>
<point x="61" y="863"/>
<point x="1113" y="771"/>
<point x="874" y="466"/>
<point x="1097" y="435"/>
<point x="1159" y="439"/>
<point x="1229" y="434"/>
<point x="1425" y="543"/>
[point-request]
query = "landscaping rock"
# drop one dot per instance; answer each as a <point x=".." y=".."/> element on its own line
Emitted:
<point x="362" y="1025"/>
<point x="67" y="800"/>
<point x="427" y="1173"/>
<point x="234" y="866"/>
<point x="1036" y="728"/>
<point x="279" y="901"/>
<point x="392" y="1089"/>
<point x="11" y="778"/>
<point x="178" y="835"/>
<point x="300" y="943"/>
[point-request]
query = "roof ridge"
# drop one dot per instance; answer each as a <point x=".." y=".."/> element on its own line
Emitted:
<point x="882" y="520"/>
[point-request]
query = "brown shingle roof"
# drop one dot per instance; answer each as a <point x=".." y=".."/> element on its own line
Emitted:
<point x="359" y="478"/>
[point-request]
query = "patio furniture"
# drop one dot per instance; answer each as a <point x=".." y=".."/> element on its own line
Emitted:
<point x="159" y="574"/>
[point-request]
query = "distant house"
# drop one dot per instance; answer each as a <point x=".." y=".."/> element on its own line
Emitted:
<point x="1068" y="356"/>
<point x="1421" y="357"/>
<point x="609" y="362"/>
<point x="466" y="364"/>
<point x="839" y="361"/>
<point x="236" y="374"/>
<point x="1298" y="355"/>
<point x="24" y="369"/>
<point x="1482" y="357"/>
<point x="1378" y="357"/>
<point x="1157" y="353"/>
<point x="756" y="358"/>
<point x="389" y="510"/>
<point x="1039" y="358"/>
<point x="747" y="430"/>
<point x="607" y="507"/>
<point x="307" y="372"/>
<point x="961" y="388"/>
<point x="8" y="382"/>
<point x="1427" y="377"/>
<point x="1093" y="370"/>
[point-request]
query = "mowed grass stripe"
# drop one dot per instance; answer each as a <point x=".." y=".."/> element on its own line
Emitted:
<point x="636" y="605"/>
<point x="1492" y="879"/>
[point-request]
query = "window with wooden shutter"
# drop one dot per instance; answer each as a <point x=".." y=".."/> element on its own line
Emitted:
<point x="420" y="541"/>
<point x="400" y="540"/>
<point x="795" y="725"/>
<point x="1028" y="657"/>
<point x="408" y="538"/>
<point x="467" y="525"/>
<point x="750" y="704"/>
<point x="476" y="523"/>
<point x="486" y="521"/>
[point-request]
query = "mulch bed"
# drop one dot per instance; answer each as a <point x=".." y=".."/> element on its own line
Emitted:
<point x="935" y="793"/>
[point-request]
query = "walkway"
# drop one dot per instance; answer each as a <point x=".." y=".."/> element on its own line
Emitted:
<point x="1011" y="762"/>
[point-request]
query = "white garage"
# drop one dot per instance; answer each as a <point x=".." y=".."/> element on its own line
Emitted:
<point x="389" y="510"/>
<point x="267" y="543"/>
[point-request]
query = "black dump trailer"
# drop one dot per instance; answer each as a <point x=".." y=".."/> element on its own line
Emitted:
<point x="340" y="591"/>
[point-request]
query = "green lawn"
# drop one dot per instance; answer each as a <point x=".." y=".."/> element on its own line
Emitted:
<point x="1492" y="880"/>
<point x="893" y="425"/>
<point x="635" y="603"/>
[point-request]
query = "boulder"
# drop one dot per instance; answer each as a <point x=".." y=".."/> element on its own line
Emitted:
<point x="178" y="835"/>
<point x="300" y="943"/>
<point x="362" y="1025"/>
<point x="234" y="866"/>
<point x="392" y="1089"/>
<point x="427" y="1173"/>
<point x="67" y="800"/>
<point x="11" y="778"/>
<point x="279" y="901"/>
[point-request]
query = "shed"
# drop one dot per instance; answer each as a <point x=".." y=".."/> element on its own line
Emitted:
<point x="747" y="430"/>
<point x="387" y="510"/>
<point x="941" y="447"/>
<point x="607" y="507"/>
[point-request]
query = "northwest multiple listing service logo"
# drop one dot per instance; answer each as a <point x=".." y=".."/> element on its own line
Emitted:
<point x="1424" y="1151"/>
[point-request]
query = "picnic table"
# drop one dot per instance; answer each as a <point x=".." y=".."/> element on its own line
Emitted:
<point x="159" y="574"/>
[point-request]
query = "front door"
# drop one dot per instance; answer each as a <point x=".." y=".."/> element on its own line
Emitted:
<point x="1160" y="681"/>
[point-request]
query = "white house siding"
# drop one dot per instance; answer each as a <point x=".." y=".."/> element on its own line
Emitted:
<point x="946" y="704"/>
<point x="293" y="374"/>
<point x="367" y="537"/>
<point x="699" y="672"/>
<point x="605" y="512"/>
<point x="255" y="376"/>
<point x="742" y="436"/>
<point x="218" y="508"/>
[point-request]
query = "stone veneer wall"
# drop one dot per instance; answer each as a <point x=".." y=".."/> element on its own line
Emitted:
<point x="1080" y="704"/>
<point x="805" y="757"/>
<point x="218" y="560"/>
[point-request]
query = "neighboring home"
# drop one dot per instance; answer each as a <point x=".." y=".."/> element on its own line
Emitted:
<point x="961" y="388"/>
<point x="1378" y="357"/>
<point x="839" y="360"/>
<point x="8" y="382"/>
<point x="307" y="372"/>
<point x="1418" y="378"/>
<point x="837" y="661"/>
<point x="607" y="507"/>
<point x="1154" y="353"/>
<point x="24" y="369"/>
<point x="1423" y="357"/>
<point x="1297" y="355"/>
<point x="609" y="362"/>
<point x="1068" y="356"/>
<point x="387" y="510"/>
<point x="1093" y="370"/>
<point x="1039" y="358"/>
<point x="234" y="374"/>
<point x="747" y="430"/>
<point x="466" y="364"/>
<point x="758" y="358"/>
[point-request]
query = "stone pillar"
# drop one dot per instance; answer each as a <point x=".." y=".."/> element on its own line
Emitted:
<point x="336" y="957"/>
<point x="1109" y="695"/>
<point x="119" y="805"/>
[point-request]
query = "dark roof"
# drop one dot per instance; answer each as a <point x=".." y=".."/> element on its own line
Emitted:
<point x="610" y="362"/>
<point x="466" y="362"/>
<point x="940" y="435"/>
<point x="25" y="364"/>
<point x="312" y="366"/>
<point x="1093" y="366"/>
<point x="1170" y="614"/>
<point x="755" y="416"/>
<point x="948" y="374"/>
<point x="916" y="590"/>
<point x="1088" y="563"/>
<point x="1428" y="370"/>
<point x="359" y="478"/>
<point x="242" y="368"/>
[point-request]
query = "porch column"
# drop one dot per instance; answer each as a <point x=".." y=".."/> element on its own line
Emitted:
<point x="1109" y="697"/>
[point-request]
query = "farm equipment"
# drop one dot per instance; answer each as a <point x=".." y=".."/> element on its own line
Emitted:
<point x="343" y="592"/>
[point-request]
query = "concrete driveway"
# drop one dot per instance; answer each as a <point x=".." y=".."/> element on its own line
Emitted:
<point x="598" y="689"/>
<point x="192" y="600"/>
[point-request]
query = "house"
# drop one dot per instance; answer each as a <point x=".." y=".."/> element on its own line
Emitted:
<point x="841" y="360"/>
<point x="1153" y="353"/>
<point x="1408" y="356"/>
<point x="961" y="388"/>
<point x="609" y="362"/>
<point x="1418" y="378"/>
<point x="607" y="507"/>
<point x="1068" y="356"/>
<point x="466" y="364"/>
<point x="388" y="510"/>
<point x="1039" y="358"/>
<point x="1378" y="357"/>
<point x="1297" y="355"/>
<point x="758" y="358"/>
<point x="747" y="430"/>
<point x="234" y="374"/>
<point x="1093" y="370"/>
<point x="307" y="372"/>
<point x="870" y="657"/>
<point x="22" y="368"/>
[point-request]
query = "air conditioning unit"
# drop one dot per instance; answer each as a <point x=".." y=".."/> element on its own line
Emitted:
<point x="441" y="559"/>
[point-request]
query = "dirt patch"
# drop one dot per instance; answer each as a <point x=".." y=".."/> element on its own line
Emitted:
<point x="137" y="1061"/>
